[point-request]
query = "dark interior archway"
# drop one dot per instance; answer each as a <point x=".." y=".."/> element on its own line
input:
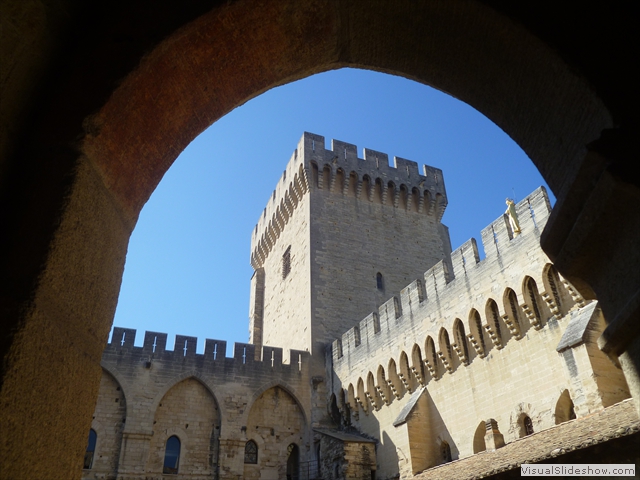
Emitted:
<point x="96" y="106"/>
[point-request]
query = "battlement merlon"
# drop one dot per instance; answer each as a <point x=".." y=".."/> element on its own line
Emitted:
<point x="155" y="347"/>
<point x="427" y="189"/>
<point x="374" y="164"/>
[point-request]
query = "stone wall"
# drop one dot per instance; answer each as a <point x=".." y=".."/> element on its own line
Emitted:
<point x="374" y="229"/>
<point x="353" y="231"/>
<point x="212" y="403"/>
<point x="108" y="423"/>
<point x="424" y="361"/>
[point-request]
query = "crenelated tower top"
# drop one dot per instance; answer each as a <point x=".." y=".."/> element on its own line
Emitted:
<point x="339" y="234"/>
<point x="339" y="170"/>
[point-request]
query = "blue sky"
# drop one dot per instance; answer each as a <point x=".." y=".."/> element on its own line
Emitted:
<point x="187" y="270"/>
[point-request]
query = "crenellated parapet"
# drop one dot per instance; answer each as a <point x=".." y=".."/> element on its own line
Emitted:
<point x="338" y="170"/>
<point x="371" y="178"/>
<point x="284" y="200"/>
<point x="462" y="307"/>
<point x="153" y="351"/>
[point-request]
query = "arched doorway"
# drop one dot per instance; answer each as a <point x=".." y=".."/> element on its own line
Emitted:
<point x="293" y="462"/>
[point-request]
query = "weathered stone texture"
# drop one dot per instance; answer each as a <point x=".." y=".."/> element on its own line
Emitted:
<point x="204" y="399"/>
<point x="430" y="341"/>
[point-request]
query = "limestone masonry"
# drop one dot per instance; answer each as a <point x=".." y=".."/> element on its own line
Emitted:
<point x="375" y="350"/>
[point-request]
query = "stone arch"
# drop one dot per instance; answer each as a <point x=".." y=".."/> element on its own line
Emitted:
<point x="431" y="357"/>
<point x="275" y="420"/>
<point x="553" y="113"/>
<point x="444" y="350"/>
<point x="513" y="313"/>
<point x="367" y="187"/>
<point x="404" y="197"/>
<point x="417" y="365"/>
<point x="284" y="386"/>
<point x="479" y="444"/>
<point x="445" y="452"/>
<point x="383" y="385"/>
<point x="476" y="335"/>
<point x="353" y="185"/>
<point x="517" y="423"/>
<point x="121" y="382"/>
<point x="293" y="462"/>
<point x="314" y="174"/>
<point x="391" y="194"/>
<point x="189" y="411"/>
<point x="109" y="422"/>
<point x="428" y="202"/>
<point x="532" y="305"/>
<point x="416" y="200"/>
<point x="395" y="384"/>
<point x="439" y="205"/>
<point x="172" y="383"/>
<point x="493" y="323"/>
<point x="565" y="410"/>
<point x="555" y="295"/>
<point x="378" y="191"/>
<point x="351" y="397"/>
<point x="361" y="396"/>
<point x="405" y="372"/>
<point x="526" y="425"/>
<point x="327" y="177"/>
<point x="460" y="341"/>
<point x="339" y="180"/>
<point x="372" y="393"/>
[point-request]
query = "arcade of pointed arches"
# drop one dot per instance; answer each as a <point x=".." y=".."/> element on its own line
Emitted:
<point x="459" y="345"/>
<point x="377" y="190"/>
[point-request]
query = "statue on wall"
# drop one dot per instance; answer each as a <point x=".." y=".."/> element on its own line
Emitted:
<point x="513" y="217"/>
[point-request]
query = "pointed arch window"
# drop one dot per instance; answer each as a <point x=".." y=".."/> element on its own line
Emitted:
<point x="513" y="304"/>
<point x="554" y="281"/>
<point x="171" y="456"/>
<point x="251" y="452"/>
<point x="91" y="449"/>
<point x="380" y="281"/>
<point x="532" y="289"/>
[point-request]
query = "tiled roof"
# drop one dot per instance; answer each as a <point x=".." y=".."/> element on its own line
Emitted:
<point x="616" y="421"/>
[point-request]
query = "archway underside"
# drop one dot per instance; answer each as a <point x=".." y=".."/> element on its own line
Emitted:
<point x="79" y="199"/>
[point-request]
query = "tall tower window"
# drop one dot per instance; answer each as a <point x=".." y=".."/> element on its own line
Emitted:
<point x="286" y="262"/>
<point x="380" y="281"/>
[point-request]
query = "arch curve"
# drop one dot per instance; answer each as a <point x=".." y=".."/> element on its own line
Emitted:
<point x="537" y="106"/>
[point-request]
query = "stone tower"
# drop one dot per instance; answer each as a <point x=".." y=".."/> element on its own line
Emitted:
<point x="338" y="237"/>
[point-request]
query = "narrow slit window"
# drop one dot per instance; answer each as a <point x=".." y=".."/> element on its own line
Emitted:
<point x="380" y="281"/>
<point x="286" y="263"/>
